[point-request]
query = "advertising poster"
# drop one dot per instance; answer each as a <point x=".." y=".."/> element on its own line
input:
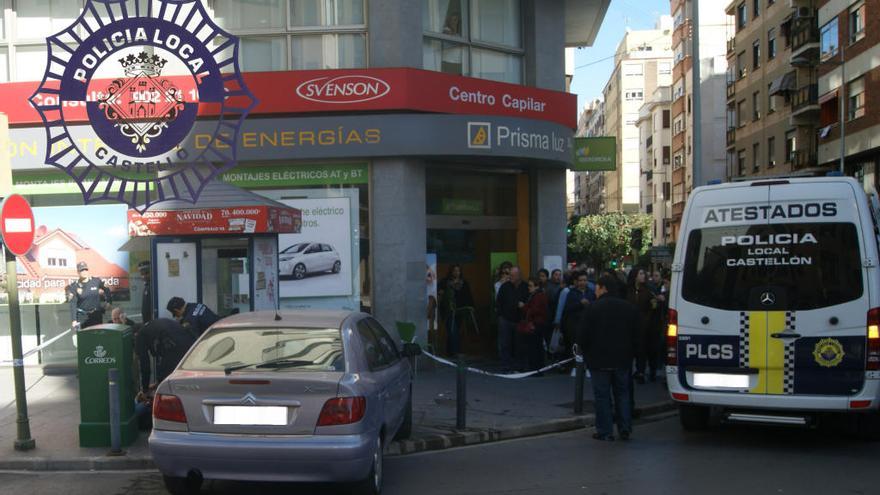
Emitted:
<point x="431" y="289"/>
<point x="66" y="236"/>
<point x="265" y="273"/>
<point x="317" y="261"/>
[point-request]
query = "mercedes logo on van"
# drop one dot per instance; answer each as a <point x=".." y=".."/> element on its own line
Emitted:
<point x="768" y="298"/>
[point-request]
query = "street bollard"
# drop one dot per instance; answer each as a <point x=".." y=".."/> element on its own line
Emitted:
<point x="580" y="372"/>
<point x="461" y="395"/>
<point x="115" y="431"/>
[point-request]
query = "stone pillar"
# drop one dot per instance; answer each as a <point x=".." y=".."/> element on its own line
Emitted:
<point x="549" y="218"/>
<point x="398" y="246"/>
<point x="395" y="33"/>
<point x="544" y="42"/>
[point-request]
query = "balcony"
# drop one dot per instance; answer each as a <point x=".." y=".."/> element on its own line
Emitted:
<point x="731" y="136"/>
<point x="731" y="46"/>
<point x="805" y="101"/>
<point x="802" y="159"/>
<point x="804" y="42"/>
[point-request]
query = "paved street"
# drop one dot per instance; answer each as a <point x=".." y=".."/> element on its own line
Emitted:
<point x="661" y="459"/>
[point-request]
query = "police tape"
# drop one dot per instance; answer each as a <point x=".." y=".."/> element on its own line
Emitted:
<point x="511" y="376"/>
<point x="20" y="362"/>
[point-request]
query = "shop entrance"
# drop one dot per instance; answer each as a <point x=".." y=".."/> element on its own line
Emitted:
<point x="228" y="287"/>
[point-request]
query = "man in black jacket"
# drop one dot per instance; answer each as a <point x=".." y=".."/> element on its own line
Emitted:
<point x="607" y="337"/>
<point x="167" y="341"/>
<point x="512" y="295"/>
<point x="195" y="317"/>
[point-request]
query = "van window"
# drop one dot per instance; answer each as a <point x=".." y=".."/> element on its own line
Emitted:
<point x="815" y="265"/>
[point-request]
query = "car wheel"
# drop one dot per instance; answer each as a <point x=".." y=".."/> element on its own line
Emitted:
<point x="337" y="266"/>
<point x="372" y="484"/>
<point x="299" y="271"/>
<point x="406" y="427"/>
<point x="693" y="418"/>
<point x="182" y="486"/>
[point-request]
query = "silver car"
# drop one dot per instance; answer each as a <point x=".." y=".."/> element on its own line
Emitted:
<point x="297" y="396"/>
<point x="304" y="258"/>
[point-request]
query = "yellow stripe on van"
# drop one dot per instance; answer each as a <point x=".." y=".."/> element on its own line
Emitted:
<point x="758" y="349"/>
<point x="775" y="353"/>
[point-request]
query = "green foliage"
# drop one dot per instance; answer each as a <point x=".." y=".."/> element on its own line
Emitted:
<point x="603" y="238"/>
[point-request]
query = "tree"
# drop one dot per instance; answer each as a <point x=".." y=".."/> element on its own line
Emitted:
<point x="603" y="238"/>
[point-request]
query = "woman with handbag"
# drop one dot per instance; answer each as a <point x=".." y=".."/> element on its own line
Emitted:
<point x="531" y="327"/>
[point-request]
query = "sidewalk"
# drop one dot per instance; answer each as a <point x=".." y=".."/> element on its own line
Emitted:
<point x="498" y="409"/>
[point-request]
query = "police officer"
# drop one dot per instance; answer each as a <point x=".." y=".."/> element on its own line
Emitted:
<point x="195" y="317"/>
<point x="87" y="297"/>
<point x="165" y="340"/>
<point x="147" y="297"/>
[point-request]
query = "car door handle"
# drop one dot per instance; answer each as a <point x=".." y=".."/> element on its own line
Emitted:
<point x="785" y="335"/>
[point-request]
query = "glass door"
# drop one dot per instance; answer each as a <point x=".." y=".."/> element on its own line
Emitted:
<point x="226" y="286"/>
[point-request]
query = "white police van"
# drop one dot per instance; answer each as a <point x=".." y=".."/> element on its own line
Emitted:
<point x="775" y="304"/>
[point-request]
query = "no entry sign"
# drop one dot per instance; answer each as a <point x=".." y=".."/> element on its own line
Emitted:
<point x="17" y="225"/>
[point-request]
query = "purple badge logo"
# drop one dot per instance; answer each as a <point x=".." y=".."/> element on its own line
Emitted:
<point x="144" y="70"/>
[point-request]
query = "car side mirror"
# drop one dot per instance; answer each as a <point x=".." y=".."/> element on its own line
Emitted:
<point x="411" y="350"/>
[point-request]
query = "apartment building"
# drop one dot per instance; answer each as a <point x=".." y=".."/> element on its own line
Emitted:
<point x="715" y="27"/>
<point x="588" y="185"/>
<point x="772" y="97"/>
<point x="643" y="62"/>
<point x="655" y="134"/>
<point x="849" y="32"/>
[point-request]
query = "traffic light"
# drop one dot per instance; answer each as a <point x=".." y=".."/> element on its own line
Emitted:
<point x="568" y="231"/>
<point x="614" y="264"/>
<point x="635" y="240"/>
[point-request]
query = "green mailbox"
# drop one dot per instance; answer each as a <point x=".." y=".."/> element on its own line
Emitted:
<point x="100" y="348"/>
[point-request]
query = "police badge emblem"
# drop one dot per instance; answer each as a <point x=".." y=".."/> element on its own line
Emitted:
<point x="144" y="70"/>
<point x="828" y="353"/>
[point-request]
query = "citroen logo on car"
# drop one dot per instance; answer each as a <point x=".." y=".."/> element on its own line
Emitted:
<point x="768" y="298"/>
<point x="249" y="400"/>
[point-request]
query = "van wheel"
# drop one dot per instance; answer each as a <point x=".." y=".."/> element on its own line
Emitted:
<point x="693" y="418"/>
<point x="372" y="484"/>
<point x="868" y="426"/>
<point x="182" y="486"/>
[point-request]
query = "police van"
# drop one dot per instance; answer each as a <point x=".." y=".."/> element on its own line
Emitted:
<point x="775" y="304"/>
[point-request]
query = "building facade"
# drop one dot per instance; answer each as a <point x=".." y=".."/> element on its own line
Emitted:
<point x="462" y="153"/>
<point x="588" y="185"/>
<point x="655" y="134"/>
<point x="643" y="62"/>
<point x="848" y="31"/>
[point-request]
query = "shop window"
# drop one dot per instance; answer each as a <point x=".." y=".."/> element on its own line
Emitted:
<point x="313" y="13"/>
<point x="329" y="51"/>
<point x="856" y="98"/>
<point x="463" y="193"/>
<point x="39" y="19"/>
<point x="479" y="38"/>
<point x="857" y="22"/>
<point x="771" y="152"/>
<point x="265" y="53"/>
<point x="30" y="62"/>
<point x="252" y="15"/>
<point x="828" y="40"/>
<point x="771" y="44"/>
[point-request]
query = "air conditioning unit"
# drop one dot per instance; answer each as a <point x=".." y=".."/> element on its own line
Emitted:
<point x="803" y="12"/>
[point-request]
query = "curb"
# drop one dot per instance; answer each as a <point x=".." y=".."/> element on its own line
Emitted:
<point x="397" y="448"/>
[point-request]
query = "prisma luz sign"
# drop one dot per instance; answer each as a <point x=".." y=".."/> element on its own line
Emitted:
<point x="143" y="75"/>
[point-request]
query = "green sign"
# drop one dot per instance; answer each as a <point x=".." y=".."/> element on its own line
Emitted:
<point x="592" y="154"/>
<point x="298" y="175"/>
<point x="35" y="183"/>
<point x="451" y="206"/>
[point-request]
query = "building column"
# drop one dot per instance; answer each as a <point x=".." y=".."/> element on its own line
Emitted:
<point x="398" y="242"/>
<point x="550" y="218"/>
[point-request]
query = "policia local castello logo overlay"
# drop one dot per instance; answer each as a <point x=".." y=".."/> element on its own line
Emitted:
<point x="144" y="70"/>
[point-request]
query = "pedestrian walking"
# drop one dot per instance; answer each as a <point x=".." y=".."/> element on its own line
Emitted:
<point x="643" y="299"/>
<point x="507" y="302"/>
<point x="455" y="297"/>
<point x="88" y="298"/>
<point x="192" y="316"/>
<point x="577" y="299"/>
<point x="532" y="326"/>
<point x="607" y="339"/>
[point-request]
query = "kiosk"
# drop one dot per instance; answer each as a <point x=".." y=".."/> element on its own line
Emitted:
<point x="221" y="251"/>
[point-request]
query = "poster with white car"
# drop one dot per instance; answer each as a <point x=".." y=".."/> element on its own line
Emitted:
<point x="317" y="261"/>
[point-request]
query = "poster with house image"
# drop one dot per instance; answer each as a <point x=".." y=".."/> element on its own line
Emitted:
<point x="66" y="236"/>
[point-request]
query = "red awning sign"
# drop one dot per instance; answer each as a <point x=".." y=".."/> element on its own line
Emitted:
<point x="17" y="225"/>
<point x="258" y="219"/>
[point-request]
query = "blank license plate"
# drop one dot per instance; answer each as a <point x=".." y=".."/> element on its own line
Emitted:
<point x="250" y="415"/>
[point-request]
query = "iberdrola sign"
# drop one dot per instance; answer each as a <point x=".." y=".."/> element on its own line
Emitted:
<point x="144" y="71"/>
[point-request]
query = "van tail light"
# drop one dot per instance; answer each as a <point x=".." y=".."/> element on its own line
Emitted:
<point x="168" y="408"/>
<point x="342" y="411"/>
<point x="672" y="339"/>
<point x="873" y="354"/>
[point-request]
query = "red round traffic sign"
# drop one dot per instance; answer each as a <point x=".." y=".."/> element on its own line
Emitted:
<point x="17" y="225"/>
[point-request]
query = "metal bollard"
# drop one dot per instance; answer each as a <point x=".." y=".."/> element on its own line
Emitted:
<point x="461" y="395"/>
<point x="115" y="432"/>
<point x="580" y="373"/>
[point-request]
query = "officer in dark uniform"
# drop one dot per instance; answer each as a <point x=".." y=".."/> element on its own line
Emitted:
<point x="165" y="340"/>
<point x="192" y="316"/>
<point x="147" y="298"/>
<point x="87" y="298"/>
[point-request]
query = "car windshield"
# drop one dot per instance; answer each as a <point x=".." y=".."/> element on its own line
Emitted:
<point x="312" y="349"/>
<point x="809" y="265"/>
<point x="296" y="248"/>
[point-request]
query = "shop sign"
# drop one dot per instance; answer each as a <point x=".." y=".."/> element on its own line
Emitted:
<point x="258" y="219"/>
<point x="660" y="253"/>
<point x="593" y="154"/>
<point x="345" y="90"/>
<point x="296" y="175"/>
<point x="455" y="206"/>
<point x="116" y="80"/>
